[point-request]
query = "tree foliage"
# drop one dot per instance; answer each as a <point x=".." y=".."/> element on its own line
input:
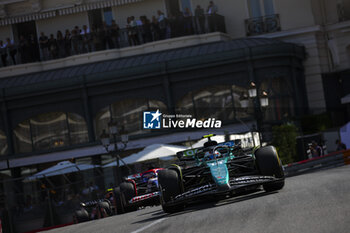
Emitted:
<point x="284" y="139"/>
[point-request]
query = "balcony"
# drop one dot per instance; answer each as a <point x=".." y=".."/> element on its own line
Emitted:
<point x="262" y="25"/>
<point x="103" y="45"/>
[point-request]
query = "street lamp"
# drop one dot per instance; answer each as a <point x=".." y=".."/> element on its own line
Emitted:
<point x="106" y="141"/>
<point x="260" y="103"/>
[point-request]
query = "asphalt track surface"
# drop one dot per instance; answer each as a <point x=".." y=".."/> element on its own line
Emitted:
<point x="313" y="202"/>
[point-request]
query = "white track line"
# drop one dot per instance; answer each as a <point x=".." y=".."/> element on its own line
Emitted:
<point x="149" y="225"/>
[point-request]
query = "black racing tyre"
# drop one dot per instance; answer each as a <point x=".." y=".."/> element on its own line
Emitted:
<point x="81" y="215"/>
<point x="169" y="182"/>
<point x="106" y="206"/>
<point x="269" y="164"/>
<point x="128" y="192"/>
<point x="119" y="201"/>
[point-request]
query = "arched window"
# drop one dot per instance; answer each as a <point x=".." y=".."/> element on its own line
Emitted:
<point x="3" y="143"/>
<point x="50" y="130"/>
<point x="281" y="105"/>
<point x="219" y="102"/>
<point x="128" y="114"/>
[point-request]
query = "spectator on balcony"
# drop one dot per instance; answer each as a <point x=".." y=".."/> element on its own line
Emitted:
<point x="60" y="44"/>
<point x="199" y="19"/>
<point x="162" y="24"/>
<point x="33" y="48"/>
<point x="67" y="43"/>
<point x="107" y="36"/>
<point x="85" y="36"/>
<point x="132" y="31"/>
<point x="23" y="49"/>
<point x="53" y="47"/>
<point x="12" y="50"/>
<point x="3" y="52"/>
<point x="212" y="17"/>
<point x="212" y="8"/>
<point x="75" y="42"/>
<point x="146" y="29"/>
<point x="115" y="34"/>
<point x="155" y="29"/>
<point x="78" y="39"/>
<point x="44" y="46"/>
<point x="187" y="21"/>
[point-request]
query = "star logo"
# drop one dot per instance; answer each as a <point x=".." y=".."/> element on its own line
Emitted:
<point x="151" y="120"/>
<point x="156" y="115"/>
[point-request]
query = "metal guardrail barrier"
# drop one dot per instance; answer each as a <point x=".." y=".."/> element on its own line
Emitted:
<point x="334" y="159"/>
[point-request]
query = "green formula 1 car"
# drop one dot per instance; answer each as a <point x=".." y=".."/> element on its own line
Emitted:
<point x="218" y="170"/>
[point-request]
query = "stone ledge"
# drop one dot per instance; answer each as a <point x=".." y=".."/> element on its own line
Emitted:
<point x="156" y="46"/>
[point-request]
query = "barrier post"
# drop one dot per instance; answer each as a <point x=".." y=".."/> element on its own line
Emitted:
<point x="346" y="156"/>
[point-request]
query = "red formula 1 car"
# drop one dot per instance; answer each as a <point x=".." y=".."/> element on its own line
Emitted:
<point x="137" y="190"/>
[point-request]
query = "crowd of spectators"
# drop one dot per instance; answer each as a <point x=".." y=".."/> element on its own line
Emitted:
<point x="108" y="36"/>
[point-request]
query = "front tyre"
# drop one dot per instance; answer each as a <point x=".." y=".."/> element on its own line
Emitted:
<point x="269" y="164"/>
<point x="169" y="183"/>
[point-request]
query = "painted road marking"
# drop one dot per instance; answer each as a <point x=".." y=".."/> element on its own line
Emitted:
<point x="149" y="225"/>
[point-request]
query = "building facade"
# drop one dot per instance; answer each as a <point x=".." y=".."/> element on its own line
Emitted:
<point x="57" y="109"/>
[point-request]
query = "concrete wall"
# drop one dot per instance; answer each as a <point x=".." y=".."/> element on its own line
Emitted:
<point x="52" y="25"/>
<point x="294" y="14"/>
<point x="148" y="8"/>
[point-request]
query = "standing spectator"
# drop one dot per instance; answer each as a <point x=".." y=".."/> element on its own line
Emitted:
<point x="22" y="49"/>
<point x="79" y="39"/>
<point x="44" y="46"/>
<point x="52" y="47"/>
<point x="86" y="40"/>
<point x="115" y="34"/>
<point x="162" y="24"/>
<point x="75" y="42"/>
<point x="187" y="21"/>
<point x="146" y="29"/>
<point x="340" y="145"/>
<point x="155" y="29"/>
<point x="33" y="48"/>
<point x="3" y="53"/>
<point x="12" y="50"/>
<point x="316" y="150"/>
<point x="67" y="43"/>
<point x="96" y="39"/>
<point x="60" y="44"/>
<point x="212" y="11"/>
<point x="107" y="36"/>
<point x="200" y="19"/>
<point x="212" y="8"/>
<point x="132" y="31"/>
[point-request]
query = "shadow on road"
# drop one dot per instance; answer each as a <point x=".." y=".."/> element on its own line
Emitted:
<point x="205" y="204"/>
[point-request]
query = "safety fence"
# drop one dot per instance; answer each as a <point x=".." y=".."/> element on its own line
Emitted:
<point x="333" y="159"/>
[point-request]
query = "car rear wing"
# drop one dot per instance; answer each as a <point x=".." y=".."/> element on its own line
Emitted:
<point x="189" y="154"/>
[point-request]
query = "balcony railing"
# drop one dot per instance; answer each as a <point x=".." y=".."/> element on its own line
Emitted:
<point x="103" y="40"/>
<point x="262" y="25"/>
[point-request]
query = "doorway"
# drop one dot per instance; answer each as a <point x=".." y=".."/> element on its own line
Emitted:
<point x="172" y="7"/>
<point x="25" y="29"/>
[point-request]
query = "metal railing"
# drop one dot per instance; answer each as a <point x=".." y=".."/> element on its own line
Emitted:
<point x="262" y="25"/>
<point x="103" y="40"/>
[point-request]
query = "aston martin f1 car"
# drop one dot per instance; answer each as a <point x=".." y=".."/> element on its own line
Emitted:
<point x="218" y="170"/>
<point x="137" y="190"/>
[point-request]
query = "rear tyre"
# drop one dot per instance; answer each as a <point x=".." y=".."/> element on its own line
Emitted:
<point x="169" y="183"/>
<point x="128" y="191"/>
<point x="81" y="215"/>
<point x="106" y="207"/>
<point x="269" y="164"/>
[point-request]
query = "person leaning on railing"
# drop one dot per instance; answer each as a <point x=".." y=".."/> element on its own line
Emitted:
<point x="3" y="52"/>
<point x="199" y="19"/>
<point x="212" y="15"/>
<point x="12" y="50"/>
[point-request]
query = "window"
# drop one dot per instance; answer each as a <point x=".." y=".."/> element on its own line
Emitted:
<point x="281" y="105"/>
<point x="50" y="130"/>
<point x="219" y="102"/>
<point x="128" y="114"/>
<point x="259" y="8"/>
